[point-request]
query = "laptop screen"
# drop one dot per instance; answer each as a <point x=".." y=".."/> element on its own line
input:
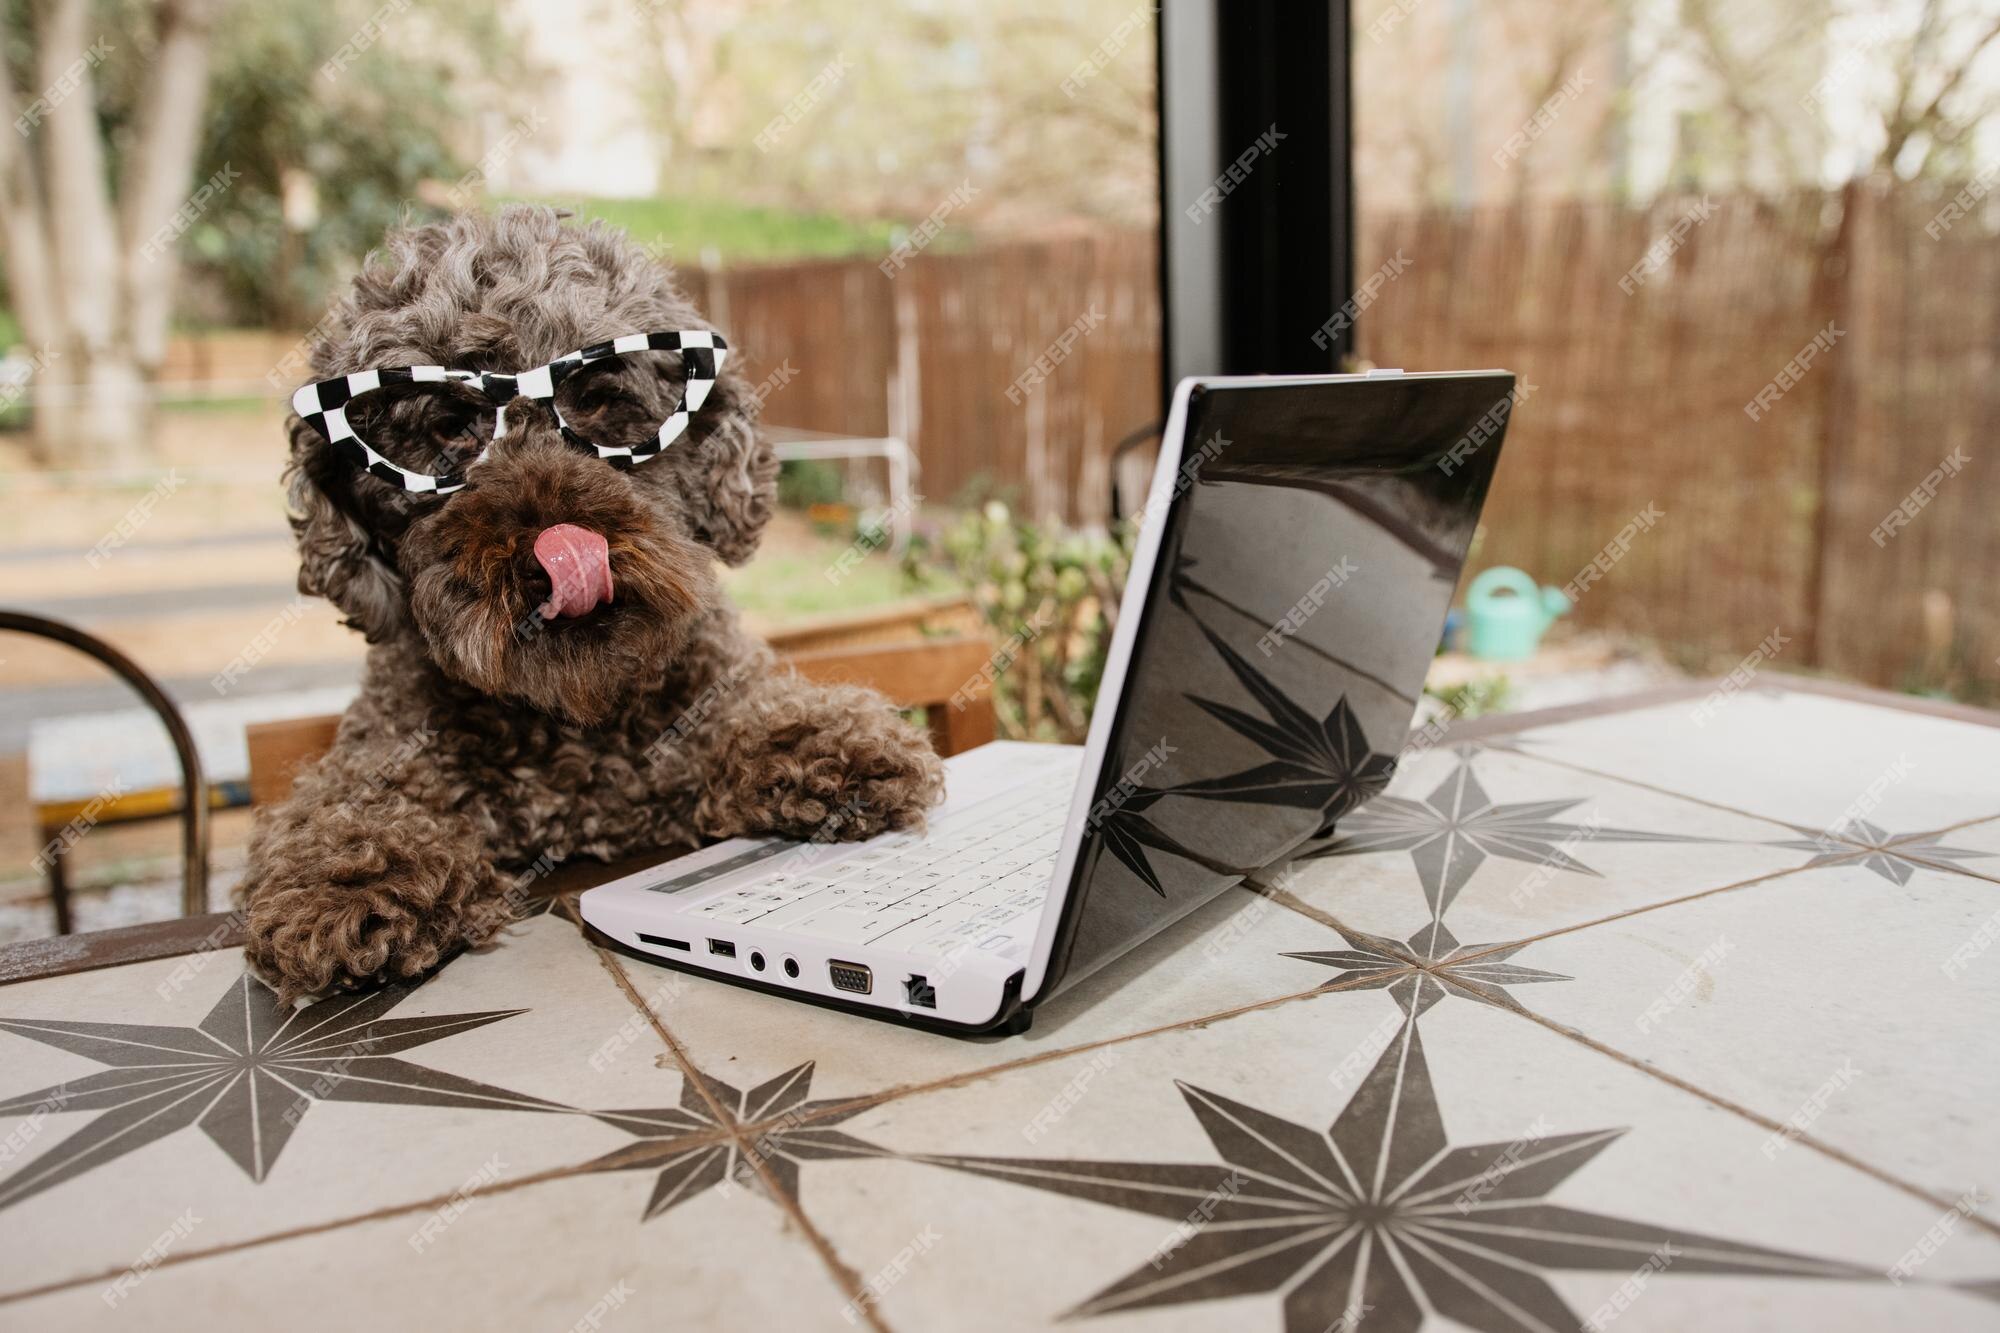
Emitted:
<point x="1309" y="556"/>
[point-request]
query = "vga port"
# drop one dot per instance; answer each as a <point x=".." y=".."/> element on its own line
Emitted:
<point x="854" y="977"/>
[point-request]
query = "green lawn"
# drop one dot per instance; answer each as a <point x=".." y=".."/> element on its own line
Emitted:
<point x="784" y="583"/>
<point x="739" y="233"/>
<point x="224" y="404"/>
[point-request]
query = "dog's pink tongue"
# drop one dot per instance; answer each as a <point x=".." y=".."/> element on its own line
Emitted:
<point x="579" y="568"/>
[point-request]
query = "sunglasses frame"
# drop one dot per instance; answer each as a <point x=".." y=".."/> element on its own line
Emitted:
<point x="323" y="404"/>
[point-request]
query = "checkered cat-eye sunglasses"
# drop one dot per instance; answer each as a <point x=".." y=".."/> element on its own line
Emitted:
<point x="465" y="411"/>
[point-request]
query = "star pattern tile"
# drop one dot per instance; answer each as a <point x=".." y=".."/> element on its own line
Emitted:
<point x="245" y="1074"/>
<point x="1450" y="833"/>
<point x="1430" y="965"/>
<point x="1895" y="857"/>
<point x="1379" y="1220"/>
<point x="788" y="1130"/>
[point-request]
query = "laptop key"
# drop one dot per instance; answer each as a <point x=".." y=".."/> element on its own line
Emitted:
<point x="841" y="925"/>
<point x="731" y="910"/>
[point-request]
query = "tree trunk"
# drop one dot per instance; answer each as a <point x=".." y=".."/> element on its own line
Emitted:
<point x="92" y="276"/>
<point x="155" y="178"/>
<point x="92" y="409"/>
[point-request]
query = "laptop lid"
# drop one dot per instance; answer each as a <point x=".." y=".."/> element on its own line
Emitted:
<point x="1299" y="551"/>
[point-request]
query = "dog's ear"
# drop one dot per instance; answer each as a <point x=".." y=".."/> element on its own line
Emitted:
<point x="336" y="559"/>
<point x="732" y="482"/>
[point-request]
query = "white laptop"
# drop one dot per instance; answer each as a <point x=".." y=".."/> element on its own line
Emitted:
<point x="1296" y="558"/>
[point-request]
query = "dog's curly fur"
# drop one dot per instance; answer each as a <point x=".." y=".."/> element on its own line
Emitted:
<point x="474" y="750"/>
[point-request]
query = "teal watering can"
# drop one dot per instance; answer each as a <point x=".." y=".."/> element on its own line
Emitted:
<point x="1507" y="613"/>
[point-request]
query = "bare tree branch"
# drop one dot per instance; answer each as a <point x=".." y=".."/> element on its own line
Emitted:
<point x="156" y="175"/>
<point x="1736" y="78"/>
<point x="1569" y="40"/>
<point x="86" y="246"/>
<point x="1904" y="125"/>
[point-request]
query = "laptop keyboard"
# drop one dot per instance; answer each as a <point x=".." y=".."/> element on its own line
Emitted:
<point x="975" y="879"/>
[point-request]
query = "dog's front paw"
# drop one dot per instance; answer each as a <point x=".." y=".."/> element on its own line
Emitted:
<point x="848" y="767"/>
<point x="337" y="905"/>
<point x="869" y="780"/>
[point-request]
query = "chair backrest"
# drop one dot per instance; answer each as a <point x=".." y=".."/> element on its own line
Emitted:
<point x="947" y="677"/>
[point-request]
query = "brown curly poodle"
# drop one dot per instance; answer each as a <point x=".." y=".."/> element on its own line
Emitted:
<point x="515" y="712"/>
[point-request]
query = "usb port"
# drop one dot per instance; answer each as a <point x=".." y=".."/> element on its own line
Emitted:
<point x="722" y="947"/>
<point x="850" y="976"/>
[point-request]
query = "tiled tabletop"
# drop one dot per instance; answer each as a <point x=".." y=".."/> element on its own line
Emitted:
<point x="1585" y="1024"/>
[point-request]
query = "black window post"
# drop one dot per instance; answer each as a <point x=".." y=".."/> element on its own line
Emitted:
<point x="1256" y="230"/>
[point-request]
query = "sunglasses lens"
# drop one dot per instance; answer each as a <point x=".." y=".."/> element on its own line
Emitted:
<point x="620" y="402"/>
<point x="435" y="430"/>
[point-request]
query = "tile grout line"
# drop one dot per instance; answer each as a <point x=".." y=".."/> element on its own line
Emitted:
<point x="1841" y="1155"/>
<point x="1658" y="790"/>
<point x="1573" y="766"/>
<point x="548" y="1176"/>
<point x="431" y="1204"/>
<point x="1948" y="828"/>
<point x="1286" y="898"/>
<point x="1928" y="864"/>
<point x="1630" y="912"/>
<point x="1328" y="919"/>
<point x="1847" y="860"/>
<point x="717" y="1111"/>
<point x="845" y="1278"/>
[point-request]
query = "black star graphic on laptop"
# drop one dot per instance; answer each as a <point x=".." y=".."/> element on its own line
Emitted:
<point x="1429" y="966"/>
<point x="245" y="1074"/>
<point x="1323" y="764"/>
<point x="1129" y="835"/>
<point x="1356" y="767"/>
<point x="695" y="1152"/>
<point x="1320" y="764"/>
<point x="1893" y="857"/>
<point x="1378" y="1220"/>
<point x="1450" y="833"/>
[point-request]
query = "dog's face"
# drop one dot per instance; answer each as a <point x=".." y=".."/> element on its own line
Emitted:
<point x="552" y="577"/>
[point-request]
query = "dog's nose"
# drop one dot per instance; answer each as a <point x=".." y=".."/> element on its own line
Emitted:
<point x="578" y="563"/>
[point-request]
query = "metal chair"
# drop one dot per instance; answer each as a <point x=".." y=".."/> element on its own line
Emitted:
<point x="194" y="803"/>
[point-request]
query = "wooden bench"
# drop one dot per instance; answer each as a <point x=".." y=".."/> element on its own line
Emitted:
<point x="927" y="673"/>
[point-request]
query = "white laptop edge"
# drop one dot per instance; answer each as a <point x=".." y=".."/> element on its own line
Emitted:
<point x="1111" y="686"/>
